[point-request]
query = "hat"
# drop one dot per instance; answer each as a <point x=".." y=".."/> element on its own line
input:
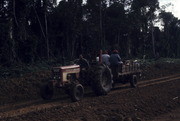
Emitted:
<point x="115" y="51"/>
<point x="105" y="52"/>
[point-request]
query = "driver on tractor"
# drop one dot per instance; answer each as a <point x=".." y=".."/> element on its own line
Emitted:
<point x="84" y="66"/>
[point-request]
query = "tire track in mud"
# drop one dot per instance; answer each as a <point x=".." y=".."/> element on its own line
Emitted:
<point x="38" y="105"/>
<point x="145" y="83"/>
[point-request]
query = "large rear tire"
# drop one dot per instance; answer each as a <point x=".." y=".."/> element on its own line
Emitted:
<point x="47" y="91"/>
<point x="77" y="92"/>
<point x="101" y="79"/>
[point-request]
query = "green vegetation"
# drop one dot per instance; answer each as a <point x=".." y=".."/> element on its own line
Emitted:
<point x="33" y="31"/>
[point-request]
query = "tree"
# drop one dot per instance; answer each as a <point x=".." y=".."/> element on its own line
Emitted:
<point x="142" y="16"/>
<point x="170" y="34"/>
<point x="40" y="29"/>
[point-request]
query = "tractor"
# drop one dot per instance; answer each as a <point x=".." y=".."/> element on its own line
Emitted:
<point x="99" y="77"/>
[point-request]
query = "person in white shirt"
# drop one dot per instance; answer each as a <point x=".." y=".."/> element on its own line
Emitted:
<point x="105" y="58"/>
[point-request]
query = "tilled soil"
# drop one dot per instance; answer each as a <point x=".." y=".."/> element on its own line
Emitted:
<point x="121" y="104"/>
<point x="143" y="103"/>
<point x="172" y="116"/>
<point x="26" y="87"/>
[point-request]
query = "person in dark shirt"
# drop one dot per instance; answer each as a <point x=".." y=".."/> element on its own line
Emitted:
<point x="84" y="66"/>
<point x="115" y="64"/>
<point x="115" y="58"/>
<point x="83" y="62"/>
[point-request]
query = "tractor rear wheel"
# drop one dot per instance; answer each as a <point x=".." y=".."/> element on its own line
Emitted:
<point x="77" y="92"/>
<point x="101" y="79"/>
<point x="47" y="91"/>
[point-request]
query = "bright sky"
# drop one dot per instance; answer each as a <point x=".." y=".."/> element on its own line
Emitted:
<point x="175" y="8"/>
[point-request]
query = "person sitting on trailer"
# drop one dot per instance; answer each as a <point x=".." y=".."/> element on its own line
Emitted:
<point x="105" y="58"/>
<point x="115" y="59"/>
<point x="115" y="63"/>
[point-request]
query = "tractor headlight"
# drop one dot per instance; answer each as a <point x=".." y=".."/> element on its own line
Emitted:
<point x="68" y="77"/>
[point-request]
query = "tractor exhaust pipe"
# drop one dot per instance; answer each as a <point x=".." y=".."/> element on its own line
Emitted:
<point x="100" y="57"/>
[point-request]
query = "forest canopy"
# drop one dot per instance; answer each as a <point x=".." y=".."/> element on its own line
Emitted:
<point x="33" y="30"/>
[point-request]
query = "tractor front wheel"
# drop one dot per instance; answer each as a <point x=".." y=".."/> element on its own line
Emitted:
<point x="77" y="92"/>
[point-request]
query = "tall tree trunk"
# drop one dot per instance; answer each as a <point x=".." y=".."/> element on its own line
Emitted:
<point x="100" y="24"/>
<point x="40" y="23"/>
<point x="73" y="48"/>
<point x="12" y="51"/>
<point x="68" y="44"/>
<point x="12" y="32"/>
<point x="45" y="5"/>
<point x="129" y="47"/>
<point x="14" y="12"/>
<point x="118" y="38"/>
<point x="44" y="33"/>
<point x="153" y="42"/>
<point x="47" y="40"/>
<point x="152" y="37"/>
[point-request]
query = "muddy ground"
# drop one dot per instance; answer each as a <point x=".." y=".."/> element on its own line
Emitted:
<point x="146" y="103"/>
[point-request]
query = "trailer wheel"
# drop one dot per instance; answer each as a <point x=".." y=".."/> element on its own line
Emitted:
<point x="101" y="78"/>
<point x="133" y="81"/>
<point x="47" y="91"/>
<point x="77" y="92"/>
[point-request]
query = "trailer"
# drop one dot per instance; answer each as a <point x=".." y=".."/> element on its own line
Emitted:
<point x="128" y="71"/>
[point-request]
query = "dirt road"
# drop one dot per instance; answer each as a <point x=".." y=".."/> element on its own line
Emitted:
<point x="146" y="102"/>
<point x="172" y="116"/>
